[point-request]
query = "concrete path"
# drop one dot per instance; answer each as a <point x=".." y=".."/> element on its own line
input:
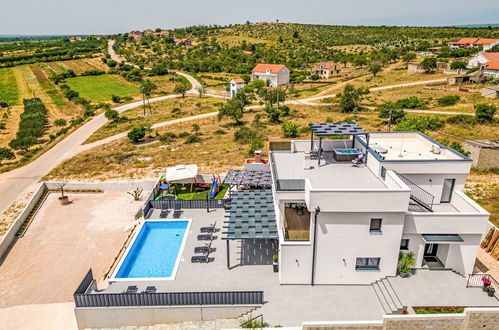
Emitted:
<point x="58" y="316"/>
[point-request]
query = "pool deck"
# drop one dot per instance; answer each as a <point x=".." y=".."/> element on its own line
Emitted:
<point x="290" y="305"/>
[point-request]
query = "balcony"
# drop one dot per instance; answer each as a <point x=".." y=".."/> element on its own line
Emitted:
<point x="461" y="216"/>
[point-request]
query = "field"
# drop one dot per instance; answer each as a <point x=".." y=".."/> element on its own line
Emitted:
<point x="8" y="87"/>
<point x="165" y="83"/>
<point x="101" y="88"/>
<point x="162" y="111"/>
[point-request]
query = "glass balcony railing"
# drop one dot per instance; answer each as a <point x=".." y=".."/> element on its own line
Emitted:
<point x="290" y="184"/>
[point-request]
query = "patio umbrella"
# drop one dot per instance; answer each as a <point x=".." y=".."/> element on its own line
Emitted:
<point x="181" y="172"/>
<point x="164" y="186"/>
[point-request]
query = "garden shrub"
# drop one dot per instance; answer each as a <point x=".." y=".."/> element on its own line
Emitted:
<point x="412" y="102"/>
<point x="245" y="135"/>
<point x="137" y="134"/>
<point x="485" y="112"/>
<point x="461" y="119"/>
<point x="420" y="123"/>
<point x="448" y="100"/>
<point x="397" y="112"/>
<point x="192" y="139"/>
<point x="290" y="130"/>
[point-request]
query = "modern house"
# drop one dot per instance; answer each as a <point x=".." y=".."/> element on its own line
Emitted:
<point x="344" y="223"/>
<point x="326" y="69"/>
<point x="273" y="74"/>
<point x="235" y="85"/>
<point x="485" y="153"/>
<point x="487" y="43"/>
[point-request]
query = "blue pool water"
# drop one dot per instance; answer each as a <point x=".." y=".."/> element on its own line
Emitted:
<point x="154" y="251"/>
<point x="346" y="151"/>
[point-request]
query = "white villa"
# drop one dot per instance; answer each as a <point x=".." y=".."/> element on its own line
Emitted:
<point x="340" y="223"/>
<point x="235" y="85"/>
<point x="274" y="74"/>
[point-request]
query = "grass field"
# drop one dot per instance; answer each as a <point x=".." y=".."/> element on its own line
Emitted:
<point x="8" y="87"/>
<point x="164" y="84"/>
<point x="162" y="111"/>
<point x="101" y="88"/>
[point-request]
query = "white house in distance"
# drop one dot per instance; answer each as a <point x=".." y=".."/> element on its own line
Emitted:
<point x="486" y="44"/>
<point x="487" y="62"/>
<point x="340" y="223"/>
<point x="275" y="74"/>
<point x="235" y="85"/>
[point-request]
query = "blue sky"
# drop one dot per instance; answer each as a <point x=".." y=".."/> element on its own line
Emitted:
<point x="114" y="16"/>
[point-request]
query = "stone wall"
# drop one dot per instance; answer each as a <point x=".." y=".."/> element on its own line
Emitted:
<point x="472" y="318"/>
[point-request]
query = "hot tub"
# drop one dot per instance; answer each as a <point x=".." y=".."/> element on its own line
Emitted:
<point x="345" y="154"/>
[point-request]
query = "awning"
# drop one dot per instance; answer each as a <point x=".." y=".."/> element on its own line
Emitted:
<point x="253" y="179"/>
<point x="251" y="216"/>
<point x="442" y="238"/>
<point x="336" y="129"/>
<point x="181" y="172"/>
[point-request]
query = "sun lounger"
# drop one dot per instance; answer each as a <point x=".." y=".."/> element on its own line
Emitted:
<point x="164" y="213"/>
<point x="206" y="237"/>
<point x="195" y="259"/>
<point x="131" y="289"/>
<point x="203" y="249"/>
<point x="210" y="229"/>
<point x="150" y="289"/>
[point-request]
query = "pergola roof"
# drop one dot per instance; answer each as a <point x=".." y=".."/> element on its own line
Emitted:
<point x="251" y="216"/>
<point x="253" y="179"/>
<point x="335" y="129"/>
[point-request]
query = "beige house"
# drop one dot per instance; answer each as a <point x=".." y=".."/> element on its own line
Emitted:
<point x="325" y="70"/>
<point x="485" y="153"/>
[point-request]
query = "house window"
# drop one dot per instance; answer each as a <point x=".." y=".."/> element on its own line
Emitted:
<point x="367" y="263"/>
<point x="375" y="225"/>
<point x="447" y="190"/>
<point x="404" y="244"/>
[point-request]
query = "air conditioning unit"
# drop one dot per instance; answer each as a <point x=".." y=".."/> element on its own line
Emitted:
<point x="436" y="149"/>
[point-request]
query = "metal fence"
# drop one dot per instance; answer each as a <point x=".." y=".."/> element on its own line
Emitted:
<point x="189" y="204"/>
<point x="476" y="280"/>
<point x="83" y="299"/>
<point x="280" y="145"/>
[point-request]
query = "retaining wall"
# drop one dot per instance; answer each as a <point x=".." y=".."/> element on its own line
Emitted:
<point x="10" y="235"/>
<point x="472" y="318"/>
<point x="114" y="317"/>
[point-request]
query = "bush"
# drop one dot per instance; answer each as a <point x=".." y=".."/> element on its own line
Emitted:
<point x="112" y="115"/>
<point x="220" y="132"/>
<point x="116" y="98"/>
<point x="137" y="134"/>
<point x="183" y="135"/>
<point x="245" y="135"/>
<point x="275" y="114"/>
<point x="290" y="130"/>
<point x="485" y="112"/>
<point x="420" y="124"/>
<point x="397" y="113"/>
<point x="448" y="100"/>
<point x="411" y="102"/>
<point x="256" y="144"/>
<point x="458" y="65"/>
<point x="60" y="122"/>
<point x="3" y="104"/>
<point x="192" y="139"/>
<point x="111" y="63"/>
<point x="461" y="119"/>
<point x="167" y="137"/>
<point x="6" y="153"/>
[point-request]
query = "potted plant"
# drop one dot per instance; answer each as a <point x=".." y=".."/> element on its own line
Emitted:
<point x="486" y="283"/>
<point x="63" y="199"/>
<point x="275" y="263"/>
<point x="405" y="263"/>
<point x="491" y="291"/>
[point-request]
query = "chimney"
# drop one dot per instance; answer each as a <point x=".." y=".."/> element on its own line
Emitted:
<point x="258" y="156"/>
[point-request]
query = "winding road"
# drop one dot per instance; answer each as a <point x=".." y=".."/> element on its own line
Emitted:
<point x="19" y="181"/>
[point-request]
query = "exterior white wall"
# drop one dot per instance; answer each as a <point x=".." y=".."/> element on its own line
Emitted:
<point x="489" y="46"/>
<point x="342" y="237"/>
<point x="433" y="183"/>
<point x="283" y="77"/>
<point x="492" y="73"/>
<point x="477" y="60"/>
<point x="276" y="79"/>
<point x="295" y="262"/>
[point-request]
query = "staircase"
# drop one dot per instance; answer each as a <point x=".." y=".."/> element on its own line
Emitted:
<point x="387" y="296"/>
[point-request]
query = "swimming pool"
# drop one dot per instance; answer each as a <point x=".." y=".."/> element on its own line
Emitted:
<point x="154" y="252"/>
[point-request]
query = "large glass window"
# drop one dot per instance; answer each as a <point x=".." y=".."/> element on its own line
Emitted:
<point x="404" y="244"/>
<point x="447" y="190"/>
<point x="367" y="263"/>
<point x="296" y="222"/>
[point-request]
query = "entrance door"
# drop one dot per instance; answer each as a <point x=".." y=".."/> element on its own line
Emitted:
<point x="447" y="190"/>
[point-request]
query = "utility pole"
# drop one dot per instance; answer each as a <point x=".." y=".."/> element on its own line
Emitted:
<point x="390" y="121"/>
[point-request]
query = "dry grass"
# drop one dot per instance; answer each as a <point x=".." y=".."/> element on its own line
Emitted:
<point x="162" y="111"/>
<point x="12" y="212"/>
<point x="235" y="40"/>
<point x="483" y="187"/>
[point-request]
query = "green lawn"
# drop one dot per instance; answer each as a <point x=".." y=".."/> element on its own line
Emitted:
<point x="101" y="88"/>
<point x="202" y="195"/>
<point x="8" y="87"/>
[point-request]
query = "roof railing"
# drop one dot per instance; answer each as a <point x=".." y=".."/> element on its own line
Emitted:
<point x="418" y="194"/>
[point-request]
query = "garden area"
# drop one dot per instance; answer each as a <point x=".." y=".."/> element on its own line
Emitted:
<point x="196" y="191"/>
<point x="102" y="88"/>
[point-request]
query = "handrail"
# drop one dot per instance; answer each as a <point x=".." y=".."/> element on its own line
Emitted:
<point x="476" y="280"/>
<point x="418" y="194"/>
<point x="252" y="319"/>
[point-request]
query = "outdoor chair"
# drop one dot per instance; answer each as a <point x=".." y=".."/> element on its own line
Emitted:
<point x="131" y="289"/>
<point x="150" y="289"/>
<point x="199" y="259"/>
<point x="210" y="229"/>
<point x="177" y="211"/>
<point x="164" y="213"/>
<point x="204" y="249"/>
<point x="206" y="237"/>
<point x="359" y="160"/>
